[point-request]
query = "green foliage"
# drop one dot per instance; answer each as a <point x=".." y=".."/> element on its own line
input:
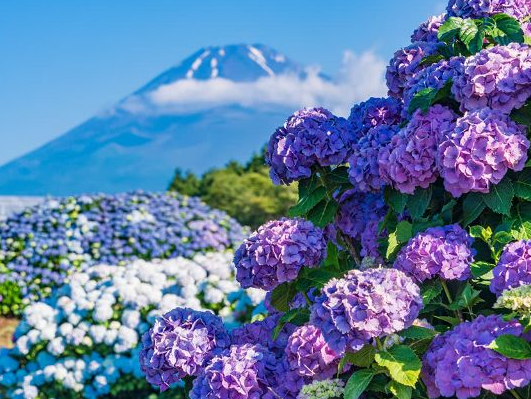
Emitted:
<point x="243" y="191"/>
<point x="11" y="298"/>
<point x="402" y="363"/>
<point x="358" y="382"/>
<point x="512" y="347"/>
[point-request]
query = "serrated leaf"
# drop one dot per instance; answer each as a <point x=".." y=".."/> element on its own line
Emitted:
<point x="307" y="203"/>
<point x="504" y="29"/>
<point x="500" y="197"/>
<point x="339" y="175"/>
<point x="473" y="206"/>
<point x="332" y="257"/>
<point x="403" y="232"/>
<point x="484" y="233"/>
<point x="468" y="298"/>
<point x="402" y="363"/>
<point x="522" y="185"/>
<point x="431" y="59"/>
<point x="282" y="296"/>
<point x="416" y="333"/>
<point x="323" y="213"/>
<point x="523" y="232"/>
<point x="307" y="186"/>
<point x="479" y="269"/>
<point x="450" y="29"/>
<point x="522" y="115"/>
<point x="430" y="291"/>
<point x="454" y="321"/>
<point x="362" y="358"/>
<point x="396" y="200"/>
<point x="297" y="317"/>
<point x="400" y="391"/>
<point x="309" y="278"/>
<point x="418" y="202"/>
<point x="357" y="383"/>
<point x="512" y="347"/>
<point x="472" y="35"/>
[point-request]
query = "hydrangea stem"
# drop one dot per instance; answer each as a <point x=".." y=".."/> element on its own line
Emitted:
<point x="379" y="344"/>
<point x="515" y="394"/>
<point x="449" y="297"/>
<point x="330" y="196"/>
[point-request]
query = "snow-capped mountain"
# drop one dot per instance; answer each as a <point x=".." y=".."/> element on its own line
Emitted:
<point x="219" y="104"/>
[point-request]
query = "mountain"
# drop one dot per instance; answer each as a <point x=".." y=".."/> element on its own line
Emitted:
<point x="196" y="116"/>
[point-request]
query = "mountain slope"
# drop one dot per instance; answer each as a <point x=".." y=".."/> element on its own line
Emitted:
<point x="126" y="149"/>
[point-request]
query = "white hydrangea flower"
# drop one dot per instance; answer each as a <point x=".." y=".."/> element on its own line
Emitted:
<point x="326" y="389"/>
<point x="517" y="299"/>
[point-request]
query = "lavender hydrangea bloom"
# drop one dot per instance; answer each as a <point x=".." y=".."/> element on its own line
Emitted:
<point x="405" y="64"/>
<point x="483" y="146"/>
<point x="513" y="268"/>
<point x="409" y="160"/>
<point x="444" y="252"/>
<point x="369" y="241"/>
<point x="240" y="372"/>
<point x="309" y="137"/>
<point x="428" y="30"/>
<point x="309" y="355"/>
<point x="179" y="344"/>
<point x="434" y="76"/>
<point x="261" y="332"/>
<point x="363" y="169"/>
<point x="284" y="382"/>
<point x="276" y="252"/>
<point x="372" y="113"/>
<point x="364" y="305"/>
<point x="459" y="362"/>
<point x="484" y="8"/>
<point x="498" y="77"/>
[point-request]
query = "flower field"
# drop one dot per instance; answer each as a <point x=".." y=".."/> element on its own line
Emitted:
<point x="403" y="271"/>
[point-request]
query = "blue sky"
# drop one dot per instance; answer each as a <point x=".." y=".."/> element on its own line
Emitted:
<point x="64" y="61"/>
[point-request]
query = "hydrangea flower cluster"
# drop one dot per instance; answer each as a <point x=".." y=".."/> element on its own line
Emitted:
<point x="485" y="8"/>
<point x="373" y="113"/>
<point x="179" y="345"/>
<point x="85" y="338"/>
<point x="444" y="252"/>
<point x="516" y="299"/>
<point x="513" y="268"/>
<point x="309" y="355"/>
<point x="459" y="362"/>
<point x="497" y="77"/>
<point x="409" y="160"/>
<point x="428" y="30"/>
<point x="41" y="245"/>
<point x="327" y="389"/>
<point x="405" y="64"/>
<point x="484" y="145"/>
<point x="365" y="305"/>
<point x="277" y="251"/>
<point x="310" y="137"/>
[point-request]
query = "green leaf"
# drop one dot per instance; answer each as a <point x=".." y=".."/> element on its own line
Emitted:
<point x="472" y="35"/>
<point x="450" y="29"/>
<point x="307" y="203"/>
<point x="419" y="226"/>
<point x="309" y="278"/>
<point x="522" y="186"/>
<point x="396" y="200"/>
<point x="430" y="291"/>
<point x="339" y="175"/>
<point x="512" y="347"/>
<point x="504" y="29"/>
<point x="418" y="202"/>
<point x="431" y="59"/>
<point x="282" y="296"/>
<point x="479" y="269"/>
<point x="357" y="383"/>
<point x="473" y="206"/>
<point x="323" y="213"/>
<point x="468" y="298"/>
<point x="481" y="232"/>
<point x="425" y="98"/>
<point x="523" y="232"/>
<point x="454" y="321"/>
<point x="362" y="358"/>
<point x="400" y="391"/>
<point x="307" y="186"/>
<point x="522" y="115"/>
<point x="416" y="333"/>
<point x="403" y="232"/>
<point x="297" y="317"/>
<point x="402" y="363"/>
<point x="500" y="197"/>
<point x="332" y="257"/>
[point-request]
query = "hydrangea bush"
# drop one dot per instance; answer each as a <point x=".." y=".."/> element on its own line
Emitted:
<point x="42" y="246"/>
<point x="404" y="269"/>
<point x="84" y="340"/>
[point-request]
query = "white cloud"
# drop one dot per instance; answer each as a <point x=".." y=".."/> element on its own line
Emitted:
<point x="361" y="76"/>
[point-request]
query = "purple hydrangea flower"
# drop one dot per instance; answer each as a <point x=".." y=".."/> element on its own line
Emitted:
<point x="374" y="112"/>
<point x="513" y="268"/>
<point x="409" y="160"/>
<point x="484" y="8"/>
<point x="358" y="218"/>
<point x="428" y="30"/>
<point x="179" y="344"/>
<point x="444" y="252"/>
<point x="241" y="372"/>
<point x="484" y="145"/>
<point x="284" y="382"/>
<point x="369" y="241"/>
<point x="434" y="76"/>
<point x="405" y="64"/>
<point x="276" y="252"/>
<point x="364" y="305"/>
<point x="458" y="362"/>
<point x="309" y="355"/>
<point x="261" y="332"/>
<point x="309" y="137"/>
<point x="363" y="169"/>
<point x="498" y="77"/>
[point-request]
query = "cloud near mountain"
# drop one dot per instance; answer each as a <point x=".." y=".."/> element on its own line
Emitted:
<point x="361" y="76"/>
